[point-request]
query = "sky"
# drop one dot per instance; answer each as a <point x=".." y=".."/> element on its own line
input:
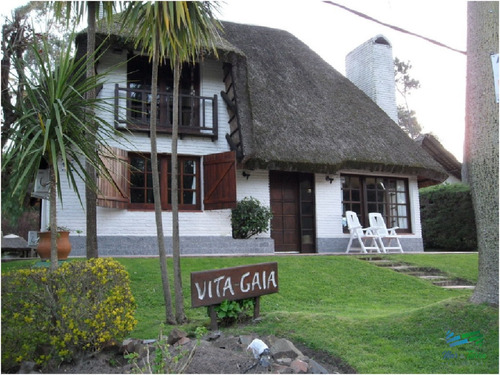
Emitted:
<point x="333" y="32"/>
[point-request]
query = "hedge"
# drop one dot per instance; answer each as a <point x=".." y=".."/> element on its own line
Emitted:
<point x="447" y="218"/>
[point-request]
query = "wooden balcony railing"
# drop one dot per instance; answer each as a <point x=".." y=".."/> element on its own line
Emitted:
<point x="197" y="114"/>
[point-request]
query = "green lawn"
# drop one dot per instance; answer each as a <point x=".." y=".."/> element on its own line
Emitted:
<point x="463" y="266"/>
<point x="377" y="320"/>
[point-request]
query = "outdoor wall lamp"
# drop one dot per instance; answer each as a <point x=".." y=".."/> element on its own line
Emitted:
<point x="328" y="178"/>
<point x="245" y="174"/>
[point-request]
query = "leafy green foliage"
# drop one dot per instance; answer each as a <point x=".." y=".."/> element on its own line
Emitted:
<point x="229" y="312"/>
<point x="447" y="217"/>
<point x="179" y="30"/>
<point x="49" y="316"/>
<point x="405" y="84"/>
<point x="56" y="126"/>
<point x="162" y="360"/>
<point x="250" y="218"/>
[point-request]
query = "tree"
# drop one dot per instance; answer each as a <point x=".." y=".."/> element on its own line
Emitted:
<point x="407" y="119"/>
<point x="65" y="10"/>
<point x="481" y="142"/>
<point x="17" y="36"/>
<point x="177" y="31"/>
<point x="52" y="128"/>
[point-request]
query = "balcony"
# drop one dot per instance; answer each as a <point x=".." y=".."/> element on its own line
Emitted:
<point x="197" y="114"/>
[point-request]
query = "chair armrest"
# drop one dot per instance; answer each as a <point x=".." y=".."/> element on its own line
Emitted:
<point x="392" y="230"/>
<point x="370" y="230"/>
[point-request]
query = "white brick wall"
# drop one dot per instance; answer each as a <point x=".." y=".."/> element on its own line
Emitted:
<point x="142" y="223"/>
<point x="370" y="67"/>
<point x="328" y="206"/>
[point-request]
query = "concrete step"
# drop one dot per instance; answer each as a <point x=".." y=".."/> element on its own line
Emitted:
<point x="431" y="277"/>
<point x="404" y="268"/>
<point x="446" y="283"/>
<point x="436" y="276"/>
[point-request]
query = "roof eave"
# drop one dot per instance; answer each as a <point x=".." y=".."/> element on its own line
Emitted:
<point x="420" y="172"/>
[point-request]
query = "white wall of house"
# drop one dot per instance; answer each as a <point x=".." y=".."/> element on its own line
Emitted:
<point x="142" y="223"/>
<point x="328" y="206"/>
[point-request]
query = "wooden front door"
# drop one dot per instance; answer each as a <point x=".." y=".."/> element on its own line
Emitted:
<point x="291" y="224"/>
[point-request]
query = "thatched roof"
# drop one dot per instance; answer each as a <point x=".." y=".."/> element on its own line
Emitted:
<point x="304" y="115"/>
<point x="437" y="151"/>
<point x="298" y="113"/>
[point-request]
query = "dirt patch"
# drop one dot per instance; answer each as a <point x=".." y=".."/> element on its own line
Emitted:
<point x="226" y="355"/>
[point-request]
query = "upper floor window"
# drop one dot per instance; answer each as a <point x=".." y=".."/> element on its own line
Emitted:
<point x="139" y="70"/>
<point x="386" y="195"/>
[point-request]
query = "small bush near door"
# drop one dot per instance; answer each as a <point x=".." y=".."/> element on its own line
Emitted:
<point x="447" y="218"/>
<point x="250" y="218"/>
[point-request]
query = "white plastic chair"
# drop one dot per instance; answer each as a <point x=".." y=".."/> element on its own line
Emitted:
<point x="367" y="239"/>
<point x="377" y="223"/>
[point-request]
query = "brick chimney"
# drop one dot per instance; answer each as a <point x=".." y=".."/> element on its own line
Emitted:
<point x="371" y="67"/>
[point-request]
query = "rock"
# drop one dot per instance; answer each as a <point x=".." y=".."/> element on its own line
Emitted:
<point x="27" y="367"/>
<point x="280" y="369"/>
<point x="284" y="361"/>
<point x="213" y="335"/>
<point x="132" y="346"/>
<point x="316" y="368"/>
<point x="245" y="340"/>
<point x="299" y="367"/>
<point x="283" y="348"/>
<point x="175" y="336"/>
<point x="126" y="346"/>
<point x="183" y="341"/>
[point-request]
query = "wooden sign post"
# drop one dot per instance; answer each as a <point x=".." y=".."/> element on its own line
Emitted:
<point x="210" y="288"/>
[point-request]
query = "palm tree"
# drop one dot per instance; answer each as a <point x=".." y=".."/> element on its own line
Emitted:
<point x="53" y="126"/>
<point x="64" y="10"/>
<point x="176" y="31"/>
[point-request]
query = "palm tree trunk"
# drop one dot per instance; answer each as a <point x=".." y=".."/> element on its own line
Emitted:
<point x="53" y="218"/>
<point x="90" y="194"/>
<point x="179" y="298"/>
<point x="170" y="318"/>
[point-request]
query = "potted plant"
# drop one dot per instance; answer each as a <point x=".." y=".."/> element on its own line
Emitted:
<point x="62" y="243"/>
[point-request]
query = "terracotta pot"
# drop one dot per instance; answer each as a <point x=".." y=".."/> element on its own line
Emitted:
<point x="63" y="245"/>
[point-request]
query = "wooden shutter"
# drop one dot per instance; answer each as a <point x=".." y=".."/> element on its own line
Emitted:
<point x="114" y="194"/>
<point x="220" y="180"/>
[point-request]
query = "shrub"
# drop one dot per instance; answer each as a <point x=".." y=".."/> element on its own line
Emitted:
<point x="50" y="316"/>
<point x="229" y="312"/>
<point x="447" y="218"/>
<point x="250" y="218"/>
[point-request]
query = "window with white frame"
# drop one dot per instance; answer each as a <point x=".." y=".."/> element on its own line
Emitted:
<point x="386" y="195"/>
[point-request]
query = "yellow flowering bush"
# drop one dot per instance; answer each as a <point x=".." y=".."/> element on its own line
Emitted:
<point x="53" y="315"/>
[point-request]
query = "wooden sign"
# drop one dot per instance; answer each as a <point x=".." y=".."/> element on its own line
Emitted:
<point x="214" y="286"/>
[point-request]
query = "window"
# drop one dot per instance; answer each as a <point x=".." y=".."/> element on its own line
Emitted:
<point x="131" y="182"/>
<point x="141" y="182"/>
<point x="139" y="93"/>
<point x="389" y="196"/>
